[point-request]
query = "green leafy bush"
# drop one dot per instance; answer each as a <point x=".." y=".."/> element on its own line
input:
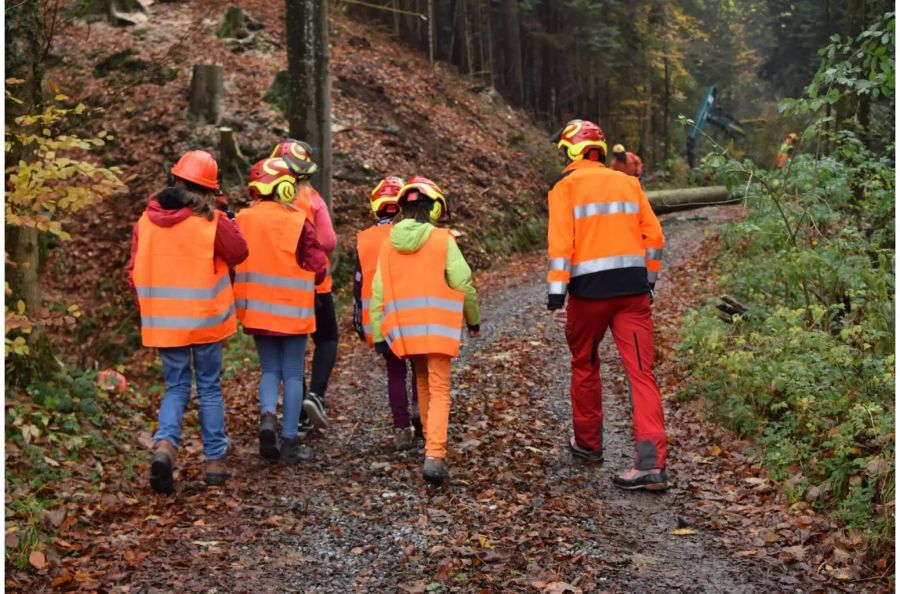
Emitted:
<point x="809" y="368"/>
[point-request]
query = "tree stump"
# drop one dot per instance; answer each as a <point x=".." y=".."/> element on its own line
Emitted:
<point x="206" y="92"/>
<point x="232" y="161"/>
<point x="237" y="25"/>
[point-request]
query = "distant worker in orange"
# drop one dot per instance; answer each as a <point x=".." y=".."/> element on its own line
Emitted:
<point x="604" y="249"/>
<point x="627" y="162"/>
<point x="786" y="150"/>
<point x="421" y="293"/>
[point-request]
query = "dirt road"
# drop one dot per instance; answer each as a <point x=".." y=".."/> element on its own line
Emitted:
<point x="519" y="515"/>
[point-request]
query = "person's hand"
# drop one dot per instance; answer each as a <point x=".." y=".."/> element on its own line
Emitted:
<point x="474" y="331"/>
<point x="560" y="316"/>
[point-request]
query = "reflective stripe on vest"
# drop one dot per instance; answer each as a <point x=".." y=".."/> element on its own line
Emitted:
<point x="184" y="292"/>
<point x="368" y="248"/>
<point x="608" y="263"/>
<point x="605" y="208"/>
<point x="422" y="314"/>
<point x="271" y="291"/>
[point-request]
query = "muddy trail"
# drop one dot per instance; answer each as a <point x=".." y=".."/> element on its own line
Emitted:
<point x="519" y="515"/>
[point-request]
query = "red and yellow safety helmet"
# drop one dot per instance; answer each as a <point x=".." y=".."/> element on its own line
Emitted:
<point x="272" y="177"/>
<point x="385" y="195"/>
<point x="417" y="187"/>
<point x="579" y="136"/>
<point x="298" y="155"/>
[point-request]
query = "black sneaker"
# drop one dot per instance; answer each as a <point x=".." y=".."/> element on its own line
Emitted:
<point x="314" y="408"/>
<point x="268" y="439"/>
<point x="435" y="470"/>
<point x="305" y="428"/>
<point x="161" y="468"/>
<point x="417" y="425"/>
<point x="584" y="453"/>
<point x="293" y="450"/>
<point x="651" y="480"/>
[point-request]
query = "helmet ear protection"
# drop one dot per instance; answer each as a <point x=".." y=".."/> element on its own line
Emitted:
<point x="285" y="192"/>
<point x="437" y="210"/>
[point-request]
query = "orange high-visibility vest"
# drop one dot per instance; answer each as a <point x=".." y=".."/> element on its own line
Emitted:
<point x="422" y="314"/>
<point x="271" y="291"/>
<point x="368" y="247"/>
<point x="631" y="166"/>
<point x="184" y="292"/>
<point x="326" y="285"/>
<point x="600" y="221"/>
<point x="303" y="201"/>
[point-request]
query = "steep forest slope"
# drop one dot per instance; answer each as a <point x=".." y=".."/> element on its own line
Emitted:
<point x="393" y="113"/>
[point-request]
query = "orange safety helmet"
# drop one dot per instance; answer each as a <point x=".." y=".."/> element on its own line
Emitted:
<point x="578" y="137"/>
<point x="198" y="167"/>
<point x="385" y="195"/>
<point x="272" y="177"/>
<point x="298" y="155"/>
<point x="419" y="187"/>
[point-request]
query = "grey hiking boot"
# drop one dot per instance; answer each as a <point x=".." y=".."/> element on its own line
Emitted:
<point x="215" y="472"/>
<point x="161" y="467"/>
<point x="293" y="450"/>
<point x="595" y="456"/>
<point x="435" y="470"/>
<point x="315" y="409"/>
<point x="268" y="437"/>
<point x="403" y="438"/>
<point x="651" y="480"/>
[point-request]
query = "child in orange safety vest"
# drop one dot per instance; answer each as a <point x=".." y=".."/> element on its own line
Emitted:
<point x="383" y="202"/>
<point x="181" y="251"/>
<point x="421" y="292"/>
<point x="275" y="294"/>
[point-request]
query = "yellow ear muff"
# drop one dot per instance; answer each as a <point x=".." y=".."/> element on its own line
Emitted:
<point x="436" y="211"/>
<point x="285" y="192"/>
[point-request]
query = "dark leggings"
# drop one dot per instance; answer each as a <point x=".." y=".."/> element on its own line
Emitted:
<point x="326" y="339"/>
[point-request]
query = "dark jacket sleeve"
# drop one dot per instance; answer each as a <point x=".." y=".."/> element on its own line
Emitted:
<point x="229" y="244"/>
<point x="310" y="255"/>
<point x="357" y="298"/>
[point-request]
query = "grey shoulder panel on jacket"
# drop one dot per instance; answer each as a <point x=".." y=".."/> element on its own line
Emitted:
<point x="559" y="178"/>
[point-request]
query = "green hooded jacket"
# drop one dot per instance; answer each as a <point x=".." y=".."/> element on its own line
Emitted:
<point x="408" y="236"/>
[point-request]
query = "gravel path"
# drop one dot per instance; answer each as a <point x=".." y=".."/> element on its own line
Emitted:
<point x="519" y="515"/>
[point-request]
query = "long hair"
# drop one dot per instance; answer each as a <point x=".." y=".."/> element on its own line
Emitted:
<point x="420" y="210"/>
<point x="200" y="199"/>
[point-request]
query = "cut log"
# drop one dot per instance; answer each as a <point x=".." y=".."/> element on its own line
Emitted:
<point x="664" y="201"/>
<point x="231" y="159"/>
<point x="206" y="92"/>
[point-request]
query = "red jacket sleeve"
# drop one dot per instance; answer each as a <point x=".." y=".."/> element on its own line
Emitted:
<point x="130" y="267"/>
<point x="322" y="221"/>
<point x="310" y="255"/>
<point x="229" y="244"/>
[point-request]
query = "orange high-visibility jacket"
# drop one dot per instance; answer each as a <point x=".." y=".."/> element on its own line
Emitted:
<point x="422" y="314"/>
<point x="603" y="238"/>
<point x="184" y="292"/>
<point x="631" y="166"/>
<point x="368" y="248"/>
<point x="271" y="291"/>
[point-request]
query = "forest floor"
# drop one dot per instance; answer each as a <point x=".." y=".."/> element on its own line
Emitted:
<point x="519" y="515"/>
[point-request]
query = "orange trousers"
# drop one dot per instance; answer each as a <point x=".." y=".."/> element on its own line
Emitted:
<point x="433" y="384"/>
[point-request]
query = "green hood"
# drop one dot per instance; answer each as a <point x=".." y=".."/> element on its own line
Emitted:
<point x="410" y="235"/>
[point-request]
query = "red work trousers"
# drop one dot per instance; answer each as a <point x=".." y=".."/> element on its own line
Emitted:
<point x="630" y="319"/>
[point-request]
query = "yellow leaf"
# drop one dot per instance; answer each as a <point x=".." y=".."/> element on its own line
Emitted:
<point x="683" y="532"/>
<point x="20" y="307"/>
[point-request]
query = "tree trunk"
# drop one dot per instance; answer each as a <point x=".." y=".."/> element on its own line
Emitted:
<point x="431" y="31"/>
<point x="467" y="37"/>
<point x="207" y="89"/>
<point x="231" y="160"/>
<point x="309" y="104"/>
<point x="514" y="79"/>
<point x="23" y="46"/>
<point x="672" y="200"/>
<point x="667" y="141"/>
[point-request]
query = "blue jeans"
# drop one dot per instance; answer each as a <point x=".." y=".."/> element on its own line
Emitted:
<point x="281" y="359"/>
<point x="177" y="373"/>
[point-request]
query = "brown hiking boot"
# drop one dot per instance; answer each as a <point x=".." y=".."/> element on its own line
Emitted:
<point x="403" y="438"/>
<point x="435" y="470"/>
<point x="215" y="472"/>
<point x="161" y="467"/>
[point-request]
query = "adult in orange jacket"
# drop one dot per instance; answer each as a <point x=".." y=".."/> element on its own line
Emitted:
<point x="626" y="162"/>
<point x="604" y="250"/>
